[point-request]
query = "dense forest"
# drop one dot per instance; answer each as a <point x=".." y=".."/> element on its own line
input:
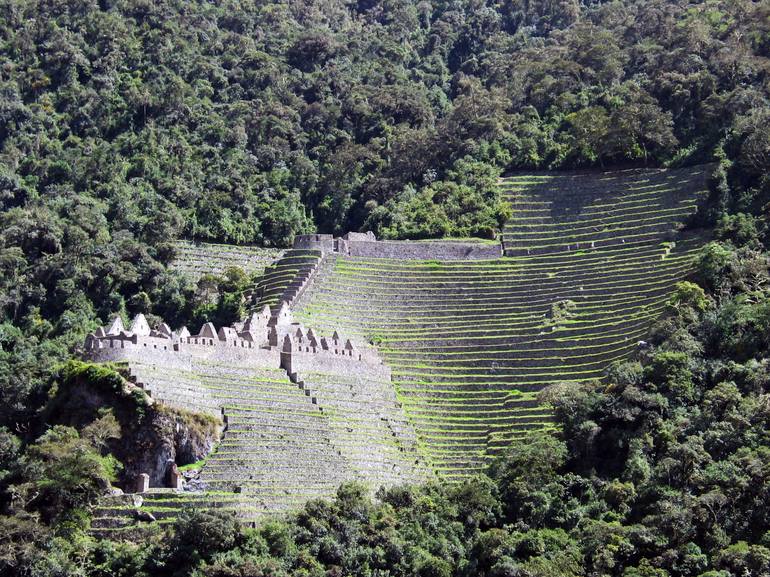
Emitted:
<point x="127" y="124"/>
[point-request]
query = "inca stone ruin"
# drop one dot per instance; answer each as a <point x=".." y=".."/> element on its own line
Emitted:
<point x="398" y="361"/>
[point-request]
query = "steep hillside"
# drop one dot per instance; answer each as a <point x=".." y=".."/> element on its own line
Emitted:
<point x="592" y="260"/>
<point x="564" y="212"/>
<point x="128" y="125"/>
<point x="468" y="337"/>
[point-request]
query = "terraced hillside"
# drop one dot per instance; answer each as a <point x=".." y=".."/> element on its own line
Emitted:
<point x="285" y="279"/>
<point x="558" y="212"/>
<point x="194" y="259"/>
<point x="284" y="442"/>
<point x="592" y="261"/>
<point x="267" y="415"/>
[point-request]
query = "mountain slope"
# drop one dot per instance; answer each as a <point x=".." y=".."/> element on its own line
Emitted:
<point x="593" y="260"/>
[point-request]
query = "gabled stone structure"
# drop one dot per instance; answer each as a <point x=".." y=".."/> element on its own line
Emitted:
<point x="255" y="327"/>
<point x="262" y="335"/>
<point x="140" y="327"/>
<point x="115" y="327"/>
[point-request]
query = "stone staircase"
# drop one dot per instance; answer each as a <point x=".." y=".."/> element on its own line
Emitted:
<point x="286" y="279"/>
<point x="369" y="425"/>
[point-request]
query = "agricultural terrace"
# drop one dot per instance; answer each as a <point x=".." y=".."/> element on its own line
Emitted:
<point x="592" y="260"/>
<point x="284" y="443"/>
<point x="195" y="259"/>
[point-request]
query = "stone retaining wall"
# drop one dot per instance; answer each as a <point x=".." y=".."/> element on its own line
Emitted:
<point x="366" y="245"/>
<point x="181" y="355"/>
<point x="424" y="250"/>
<point x="325" y="362"/>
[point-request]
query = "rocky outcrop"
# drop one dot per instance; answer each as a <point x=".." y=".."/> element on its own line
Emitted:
<point x="153" y="437"/>
<point x="168" y="437"/>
